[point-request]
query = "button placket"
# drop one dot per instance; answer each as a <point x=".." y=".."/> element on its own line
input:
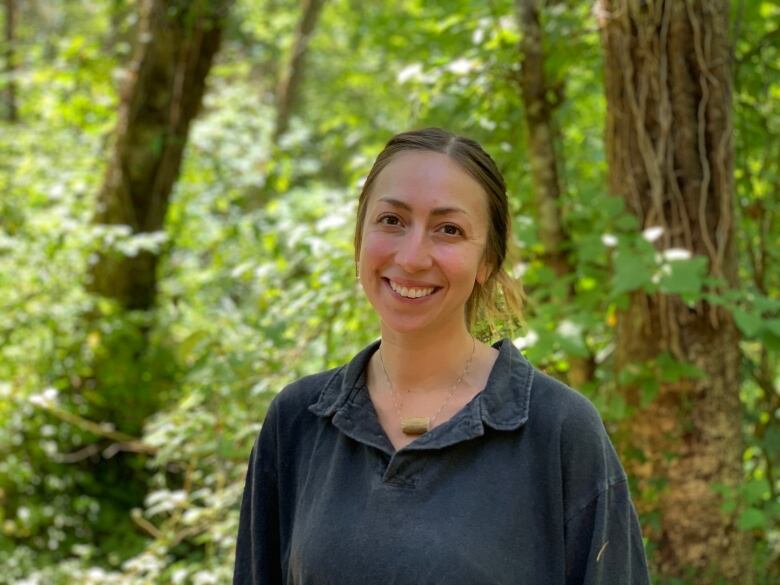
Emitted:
<point x="397" y="472"/>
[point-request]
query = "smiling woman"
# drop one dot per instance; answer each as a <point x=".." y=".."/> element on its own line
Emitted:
<point x="457" y="158"/>
<point x="433" y="458"/>
<point x="424" y="231"/>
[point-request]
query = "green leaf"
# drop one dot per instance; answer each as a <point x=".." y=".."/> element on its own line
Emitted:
<point x="650" y="388"/>
<point x="763" y="303"/>
<point x="631" y="272"/>
<point x="771" y="340"/>
<point x="755" y="490"/>
<point x="771" y="441"/>
<point x="573" y="346"/>
<point x="683" y="277"/>
<point x="772" y="325"/>
<point x="187" y="346"/>
<point x="748" y="323"/>
<point x="752" y="519"/>
<point x="673" y="370"/>
<point x="628" y="223"/>
<point x="612" y="205"/>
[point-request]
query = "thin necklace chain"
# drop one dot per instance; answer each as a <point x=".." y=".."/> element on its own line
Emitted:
<point x="450" y="394"/>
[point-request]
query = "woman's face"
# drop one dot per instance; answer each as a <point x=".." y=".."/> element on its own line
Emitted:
<point x="423" y="242"/>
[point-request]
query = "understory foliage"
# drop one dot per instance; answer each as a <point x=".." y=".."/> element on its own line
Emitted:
<point x="124" y="437"/>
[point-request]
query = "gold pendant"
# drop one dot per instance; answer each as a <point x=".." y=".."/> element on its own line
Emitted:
<point x="415" y="425"/>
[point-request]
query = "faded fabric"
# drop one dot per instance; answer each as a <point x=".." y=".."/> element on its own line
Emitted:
<point x="522" y="486"/>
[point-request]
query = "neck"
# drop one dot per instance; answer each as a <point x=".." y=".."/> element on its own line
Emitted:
<point x="426" y="361"/>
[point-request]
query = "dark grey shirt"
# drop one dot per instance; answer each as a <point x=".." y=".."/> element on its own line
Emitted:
<point x="522" y="486"/>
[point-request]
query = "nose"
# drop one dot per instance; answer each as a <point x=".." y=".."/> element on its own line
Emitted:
<point x="414" y="252"/>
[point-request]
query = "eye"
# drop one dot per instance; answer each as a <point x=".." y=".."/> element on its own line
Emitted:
<point x="451" y="229"/>
<point x="389" y="219"/>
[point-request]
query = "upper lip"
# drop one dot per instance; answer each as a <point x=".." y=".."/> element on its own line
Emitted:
<point x="411" y="283"/>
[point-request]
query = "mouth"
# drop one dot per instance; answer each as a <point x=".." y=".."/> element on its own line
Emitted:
<point x="410" y="292"/>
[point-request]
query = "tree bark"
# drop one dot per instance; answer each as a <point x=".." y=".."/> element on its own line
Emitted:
<point x="11" y="112"/>
<point x="165" y="84"/>
<point x="541" y="133"/>
<point x="539" y="112"/>
<point x="289" y="85"/>
<point x="669" y="149"/>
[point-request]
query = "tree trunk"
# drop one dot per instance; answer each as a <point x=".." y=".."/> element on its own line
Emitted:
<point x="539" y="112"/>
<point x="541" y="133"/>
<point x="288" y="89"/>
<point x="163" y="91"/>
<point x="669" y="149"/>
<point x="11" y="111"/>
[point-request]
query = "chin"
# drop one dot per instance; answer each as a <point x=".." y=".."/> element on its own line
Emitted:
<point x="402" y="325"/>
<point x="418" y="326"/>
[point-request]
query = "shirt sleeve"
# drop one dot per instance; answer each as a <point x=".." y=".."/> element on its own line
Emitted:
<point x="258" y="560"/>
<point x="602" y="534"/>
<point x="604" y="543"/>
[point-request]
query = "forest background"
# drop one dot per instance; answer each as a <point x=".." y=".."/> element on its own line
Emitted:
<point x="178" y="182"/>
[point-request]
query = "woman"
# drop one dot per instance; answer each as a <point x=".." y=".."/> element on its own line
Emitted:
<point x="432" y="458"/>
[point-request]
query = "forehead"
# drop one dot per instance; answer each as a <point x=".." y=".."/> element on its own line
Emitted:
<point x="430" y="179"/>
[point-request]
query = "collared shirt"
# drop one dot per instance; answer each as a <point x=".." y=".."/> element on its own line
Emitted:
<point x="521" y="486"/>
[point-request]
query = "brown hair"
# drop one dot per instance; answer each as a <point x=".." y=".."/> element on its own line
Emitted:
<point x="500" y="294"/>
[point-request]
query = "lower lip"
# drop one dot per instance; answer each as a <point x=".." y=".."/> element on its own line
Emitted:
<point x="403" y="299"/>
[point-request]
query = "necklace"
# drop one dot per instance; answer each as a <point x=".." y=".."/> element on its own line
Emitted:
<point x="417" y="425"/>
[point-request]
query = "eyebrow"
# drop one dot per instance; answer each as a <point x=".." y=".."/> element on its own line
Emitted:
<point x="437" y="211"/>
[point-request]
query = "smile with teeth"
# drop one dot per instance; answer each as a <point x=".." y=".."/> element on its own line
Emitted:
<point x="411" y="292"/>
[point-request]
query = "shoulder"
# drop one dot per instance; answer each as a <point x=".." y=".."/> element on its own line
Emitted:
<point x="290" y="415"/>
<point x="568" y="411"/>
<point x="296" y="398"/>
<point x="570" y="422"/>
<point x="324" y="392"/>
<point x="307" y="390"/>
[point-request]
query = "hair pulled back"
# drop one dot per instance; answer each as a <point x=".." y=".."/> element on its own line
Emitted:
<point x="499" y="295"/>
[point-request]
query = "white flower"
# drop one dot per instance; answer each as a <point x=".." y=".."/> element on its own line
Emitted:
<point x="526" y="340"/>
<point x="81" y="550"/>
<point x="5" y="390"/>
<point x="145" y="562"/>
<point x="461" y="66"/>
<point x="96" y="574"/>
<point x="241" y="269"/>
<point x="609" y="240"/>
<point x="663" y="270"/>
<point x="7" y="243"/>
<point x="412" y="71"/>
<point x="204" y="578"/>
<point x="332" y="221"/>
<point x="164" y="501"/>
<point x="568" y="329"/>
<point x="519" y="269"/>
<point x="651" y="234"/>
<point x="45" y="398"/>
<point x="57" y="191"/>
<point x="672" y="254"/>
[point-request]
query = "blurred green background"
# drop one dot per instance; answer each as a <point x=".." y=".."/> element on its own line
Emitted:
<point x="126" y="424"/>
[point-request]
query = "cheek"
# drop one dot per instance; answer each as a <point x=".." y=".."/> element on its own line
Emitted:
<point x="459" y="264"/>
<point x="374" y="249"/>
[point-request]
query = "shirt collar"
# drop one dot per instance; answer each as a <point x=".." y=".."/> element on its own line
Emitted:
<point x="503" y="405"/>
